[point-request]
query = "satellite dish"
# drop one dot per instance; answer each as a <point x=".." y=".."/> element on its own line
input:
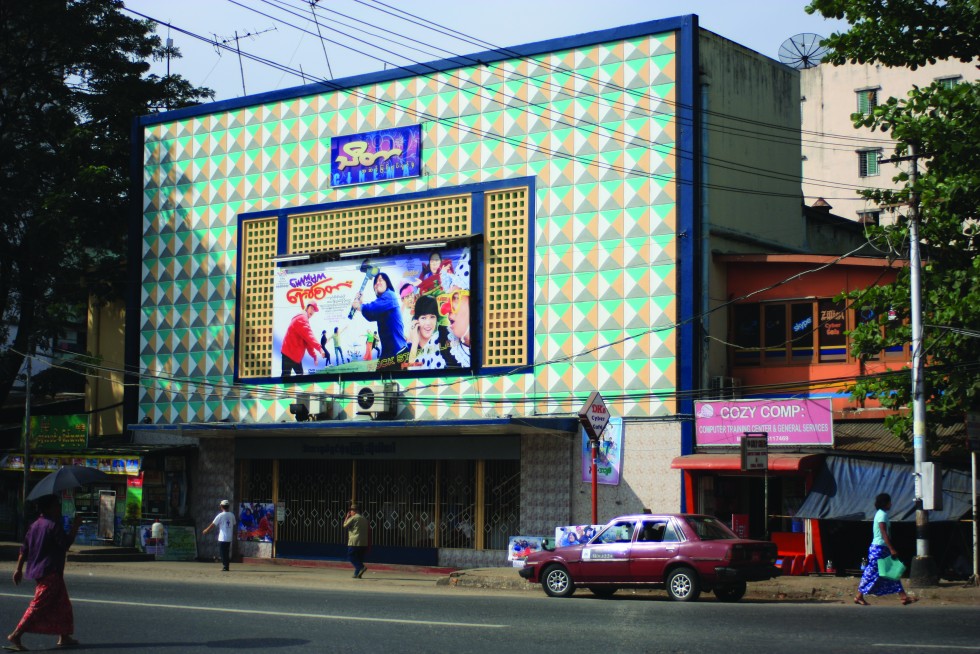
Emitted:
<point x="802" y="51"/>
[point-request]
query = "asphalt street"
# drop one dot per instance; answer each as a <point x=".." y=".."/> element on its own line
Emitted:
<point x="406" y="613"/>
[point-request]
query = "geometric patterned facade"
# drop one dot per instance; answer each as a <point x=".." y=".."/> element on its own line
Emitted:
<point x="595" y="127"/>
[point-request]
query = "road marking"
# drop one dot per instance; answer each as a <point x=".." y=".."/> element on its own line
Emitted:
<point x="316" y="616"/>
<point x="921" y="646"/>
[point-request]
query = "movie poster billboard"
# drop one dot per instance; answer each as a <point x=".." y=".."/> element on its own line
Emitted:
<point x="610" y="454"/>
<point x="381" y="156"/>
<point x="399" y="313"/>
<point x="575" y="534"/>
<point x="256" y="521"/>
<point x="521" y="547"/>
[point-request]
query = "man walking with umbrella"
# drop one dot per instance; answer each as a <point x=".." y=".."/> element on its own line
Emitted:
<point x="42" y="557"/>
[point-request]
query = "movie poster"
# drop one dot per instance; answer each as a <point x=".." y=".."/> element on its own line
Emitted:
<point x="610" y="454"/>
<point x="393" y="314"/>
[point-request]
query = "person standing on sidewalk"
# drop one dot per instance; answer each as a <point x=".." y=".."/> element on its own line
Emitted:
<point x="225" y="522"/>
<point x="881" y="547"/>
<point x="357" y="539"/>
<point x="44" y="550"/>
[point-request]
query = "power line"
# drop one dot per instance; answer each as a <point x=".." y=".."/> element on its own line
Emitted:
<point x="513" y="141"/>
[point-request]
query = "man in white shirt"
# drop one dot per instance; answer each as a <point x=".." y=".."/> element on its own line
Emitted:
<point x="225" y="522"/>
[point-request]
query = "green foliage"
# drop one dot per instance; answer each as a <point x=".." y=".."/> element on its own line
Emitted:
<point x="74" y="75"/>
<point x="902" y="33"/>
<point x="940" y="125"/>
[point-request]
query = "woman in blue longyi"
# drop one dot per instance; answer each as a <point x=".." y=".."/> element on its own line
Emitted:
<point x="881" y="547"/>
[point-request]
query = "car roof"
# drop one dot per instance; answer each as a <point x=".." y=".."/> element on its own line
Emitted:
<point x="644" y="516"/>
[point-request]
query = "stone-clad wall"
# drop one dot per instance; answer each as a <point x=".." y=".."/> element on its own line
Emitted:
<point x="212" y="480"/>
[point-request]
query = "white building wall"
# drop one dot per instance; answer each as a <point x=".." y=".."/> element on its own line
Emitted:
<point x="830" y="141"/>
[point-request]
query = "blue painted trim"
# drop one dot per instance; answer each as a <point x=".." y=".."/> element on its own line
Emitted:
<point x="425" y="69"/>
<point x="688" y="121"/>
<point x="565" y="424"/>
<point x="134" y="289"/>
<point x="479" y="187"/>
<point x="532" y="200"/>
<point x="477" y="191"/>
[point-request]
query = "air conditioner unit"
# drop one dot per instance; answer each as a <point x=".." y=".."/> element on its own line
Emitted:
<point x="380" y="401"/>
<point x="725" y="388"/>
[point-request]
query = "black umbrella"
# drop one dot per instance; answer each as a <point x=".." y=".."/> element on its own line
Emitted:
<point x="67" y="477"/>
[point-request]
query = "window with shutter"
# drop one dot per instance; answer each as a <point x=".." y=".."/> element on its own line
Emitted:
<point x="868" y="163"/>
<point x="867" y="100"/>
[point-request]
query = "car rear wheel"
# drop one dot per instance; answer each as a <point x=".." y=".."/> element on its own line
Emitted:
<point x="683" y="585"/>
<point x="602" y="591"/>
<point x="557" y="582"/>
<point x="730" y="592"/>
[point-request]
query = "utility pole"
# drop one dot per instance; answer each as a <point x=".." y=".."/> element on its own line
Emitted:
<point x="923" y="571"/>
<point x="27" y="431"/>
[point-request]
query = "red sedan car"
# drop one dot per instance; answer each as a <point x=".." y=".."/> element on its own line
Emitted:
<point x="685" y="553"/>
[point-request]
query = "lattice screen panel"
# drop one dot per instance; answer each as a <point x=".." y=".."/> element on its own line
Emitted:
<point x="506" y="278"/>
<point x="380" y="224"/>
<point x="258" y="249"/>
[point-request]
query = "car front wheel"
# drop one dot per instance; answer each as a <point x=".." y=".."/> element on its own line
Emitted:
<point x="731" y="592"/>
<point x="557" y="582"/>
<point x="683" y="585"/>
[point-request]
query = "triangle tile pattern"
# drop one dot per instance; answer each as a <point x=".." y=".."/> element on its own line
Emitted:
<point x="594" y="125"/>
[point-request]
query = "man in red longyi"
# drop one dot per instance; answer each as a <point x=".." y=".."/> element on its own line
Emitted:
<point x="43" y="554"/>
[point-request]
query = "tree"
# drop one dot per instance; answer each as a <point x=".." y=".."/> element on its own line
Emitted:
<point x="73" y="75"/>
<point x="939" y="124"/>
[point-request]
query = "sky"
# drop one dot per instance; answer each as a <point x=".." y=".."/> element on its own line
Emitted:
<point x="284" y="32"/>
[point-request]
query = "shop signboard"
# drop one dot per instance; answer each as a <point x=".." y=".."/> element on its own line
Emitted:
<point x="789" y="423"/>
<point x="403" y="314"/>
<point x="755" y="452"/>
<point x="181" y="544"/>
<point x="594" y="415"/>
<point x="59" y="433"/>
<point x="380" y="156"/>
<point x="973" y="430"/>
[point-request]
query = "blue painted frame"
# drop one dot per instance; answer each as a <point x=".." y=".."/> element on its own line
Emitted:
<point x="477" y="191"/>
<point x="679" y="23"/>
<point x="688" y="230"/>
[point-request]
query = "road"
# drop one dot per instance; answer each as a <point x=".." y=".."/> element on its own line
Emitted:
<point x="154" y="615"/>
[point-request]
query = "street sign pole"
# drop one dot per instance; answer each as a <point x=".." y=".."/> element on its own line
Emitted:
<point x="594" y="417"/>
<point x="755" y="456"/>
<point x="973" y="436"/>
<point x="595" y="480"/>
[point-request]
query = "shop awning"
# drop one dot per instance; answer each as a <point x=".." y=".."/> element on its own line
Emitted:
<point x="778" y="462"/>
<point x="845" y="489"/>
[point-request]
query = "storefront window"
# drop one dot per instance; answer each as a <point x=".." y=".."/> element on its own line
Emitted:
<point x="746" y="334"/>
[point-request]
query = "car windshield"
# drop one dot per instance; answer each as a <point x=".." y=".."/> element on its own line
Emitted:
<point x="709" y="528"/>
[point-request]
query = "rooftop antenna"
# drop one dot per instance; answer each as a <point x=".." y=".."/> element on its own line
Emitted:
<point x="323" y="43"/>
<point x="237" y="39"/>
<point x="802" y="51"/>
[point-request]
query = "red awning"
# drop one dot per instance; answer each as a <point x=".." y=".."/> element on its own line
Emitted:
<point x="778" y="462"/>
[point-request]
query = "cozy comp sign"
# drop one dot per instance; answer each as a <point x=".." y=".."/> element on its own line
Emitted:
<point x="787" y="422"/>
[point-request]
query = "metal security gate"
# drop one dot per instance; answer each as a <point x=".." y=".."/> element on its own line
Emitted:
<point x="414" y="507"/>
<point x="314" y="495"/>
<point x="398" y="497"/>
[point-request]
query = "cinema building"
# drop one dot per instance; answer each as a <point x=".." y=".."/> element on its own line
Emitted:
<point x="400" y="288"/>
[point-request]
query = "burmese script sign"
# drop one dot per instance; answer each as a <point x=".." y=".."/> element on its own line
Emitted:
<point x="380" y="156"/>
<point x="788" y="422"/>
